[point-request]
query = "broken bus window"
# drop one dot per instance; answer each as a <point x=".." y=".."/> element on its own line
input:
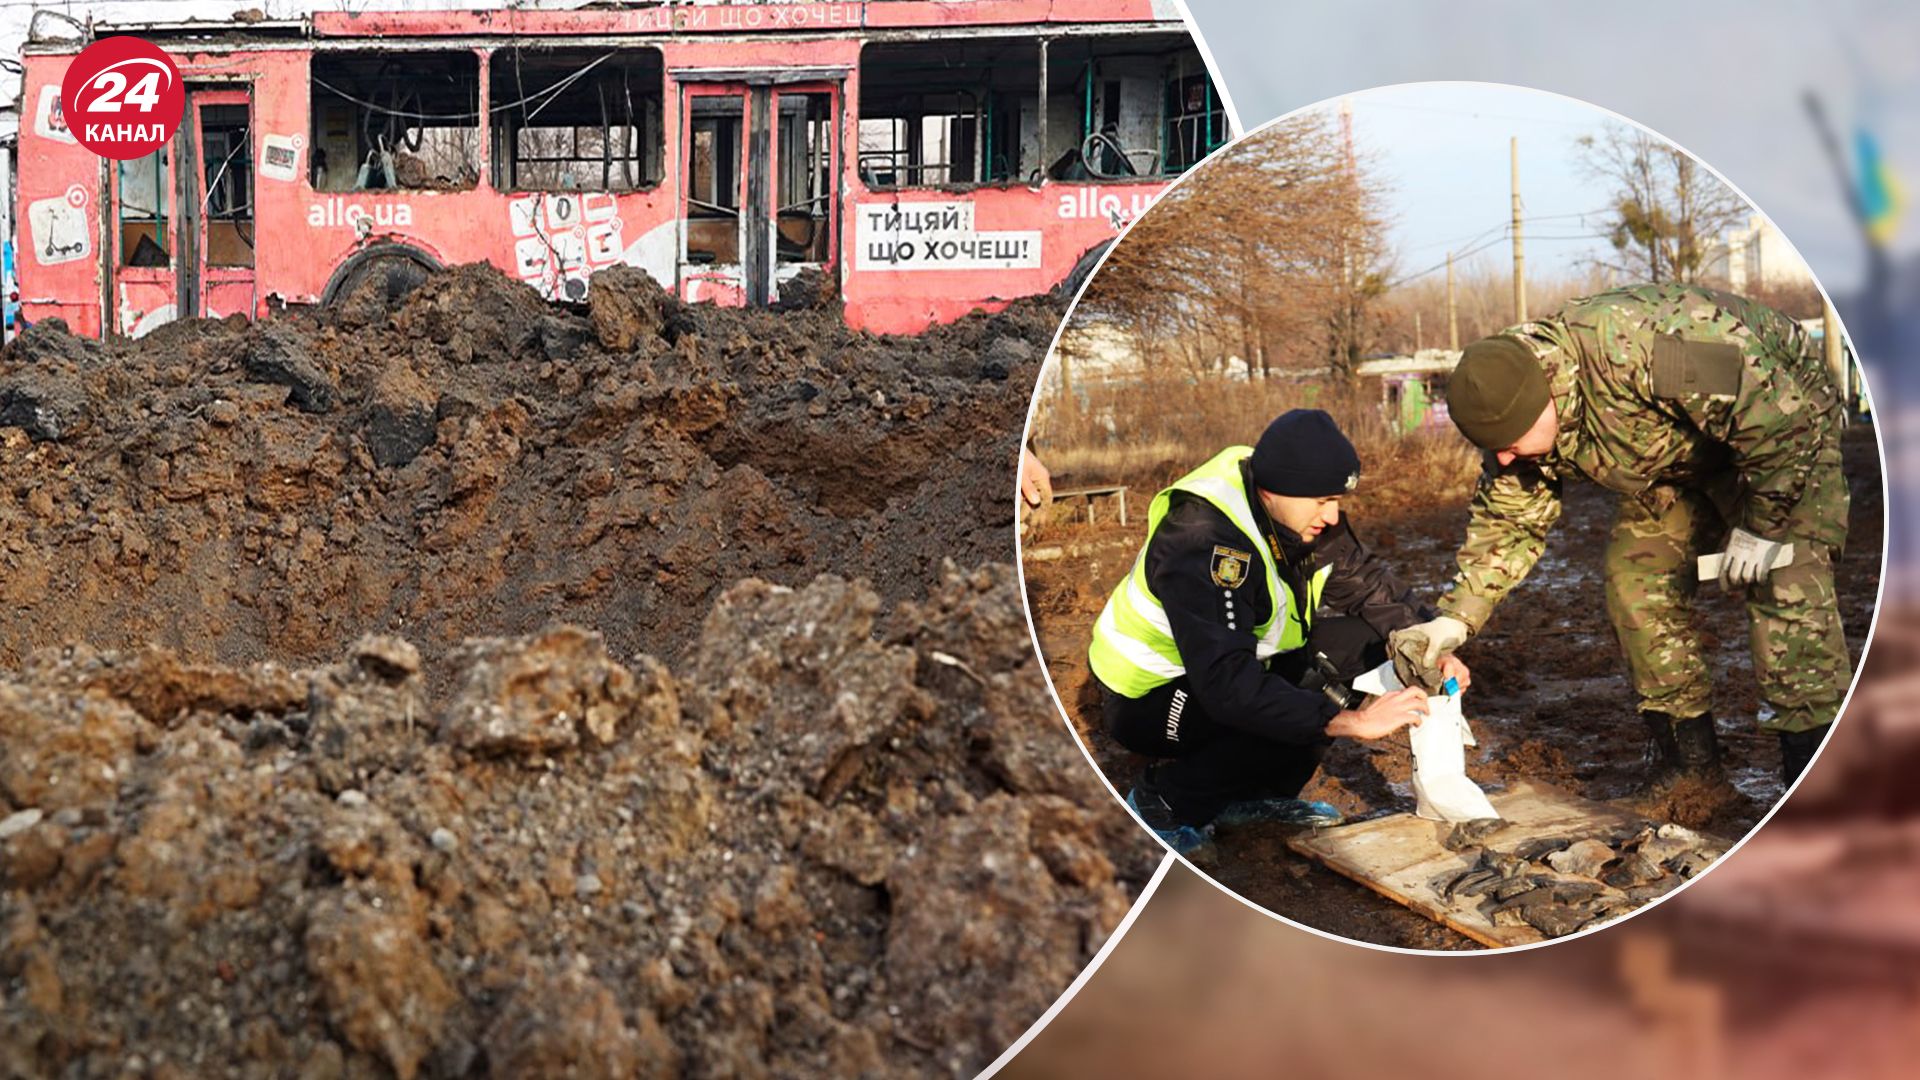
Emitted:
<point x="713" y="179"/>
<point x="955" y="112"/>
<point x="396" y="120"/>
<point x="576" y="119"/>
<point x="805" y="154"/>
<point x="924" y="105"/>
<point x="226" y="148"/>
<point x="144" y="238"/>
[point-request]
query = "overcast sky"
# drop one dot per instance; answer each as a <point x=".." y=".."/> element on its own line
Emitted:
<point x="1723" y="78"/>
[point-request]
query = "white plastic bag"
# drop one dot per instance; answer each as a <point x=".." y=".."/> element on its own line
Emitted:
<point x="1440" y="781"/>
<point x="1440" y="785"/>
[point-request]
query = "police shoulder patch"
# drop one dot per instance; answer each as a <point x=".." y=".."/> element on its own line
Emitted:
<point x="1230" y="566"/>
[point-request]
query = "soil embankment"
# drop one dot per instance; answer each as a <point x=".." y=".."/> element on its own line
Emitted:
<point x="467" y="686"/>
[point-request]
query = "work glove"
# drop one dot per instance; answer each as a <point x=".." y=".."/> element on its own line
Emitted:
<point x="1748" y="559"/>
<point x="1417" y="650"/>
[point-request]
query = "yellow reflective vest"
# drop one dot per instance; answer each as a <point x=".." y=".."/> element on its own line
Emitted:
<point x="1133" y="650"/>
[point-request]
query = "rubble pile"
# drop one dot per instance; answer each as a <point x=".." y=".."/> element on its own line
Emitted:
<point x="830" y="843"/>
<point x="1559" y="885"/>
<point x="448" y="685"/>
<point x="471" y="459"/>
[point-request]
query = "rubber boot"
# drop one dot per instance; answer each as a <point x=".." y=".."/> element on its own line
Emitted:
<point x="1699" y="747"/>
<point x="1797" y="749"/>
<point x="1686" y="747"/>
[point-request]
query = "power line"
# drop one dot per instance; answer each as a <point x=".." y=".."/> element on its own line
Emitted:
<point x="1442" y="265"/>
<point x="1572" y="214"/>
<point x="1475" y="237"/>
<point x="1529" y="219"/>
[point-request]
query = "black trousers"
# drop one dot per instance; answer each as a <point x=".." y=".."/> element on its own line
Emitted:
<point x="1212" y="763"/>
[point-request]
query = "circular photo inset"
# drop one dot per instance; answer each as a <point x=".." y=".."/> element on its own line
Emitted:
<point x="1465" y="517"/>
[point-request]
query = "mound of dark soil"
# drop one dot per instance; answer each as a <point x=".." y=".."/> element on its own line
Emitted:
<point x="336" y="744"/>
<point x="479" y="461"/>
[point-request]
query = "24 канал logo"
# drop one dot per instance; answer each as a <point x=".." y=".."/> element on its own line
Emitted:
<point x="122" y="98"/>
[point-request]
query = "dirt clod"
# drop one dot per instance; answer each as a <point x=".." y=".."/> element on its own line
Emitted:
<point x="46" y="405"/>
<point x="627" y="307"/>
<point x="279" y="357"/>
<point x="49" y="341"/>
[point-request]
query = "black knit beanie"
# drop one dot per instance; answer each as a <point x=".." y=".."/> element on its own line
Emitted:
<point x="1304" y="453"/>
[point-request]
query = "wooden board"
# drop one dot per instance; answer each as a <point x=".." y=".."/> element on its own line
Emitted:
<point x="1399" y="856"/>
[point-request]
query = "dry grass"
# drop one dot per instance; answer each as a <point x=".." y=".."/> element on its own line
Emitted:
<point x="1147" y="432"/>
<point x="1125" y="460"/>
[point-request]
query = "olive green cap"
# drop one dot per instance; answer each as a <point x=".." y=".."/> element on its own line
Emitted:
<point x="1496" y="392"/>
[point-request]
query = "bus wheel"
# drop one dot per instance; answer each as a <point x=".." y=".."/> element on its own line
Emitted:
<point x="1069" y="286"/>
<point x="373" y="282"/>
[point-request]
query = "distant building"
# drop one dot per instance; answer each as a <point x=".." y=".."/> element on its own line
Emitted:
<point x="1757" y="256"/>
<point x="1413" y="389"/>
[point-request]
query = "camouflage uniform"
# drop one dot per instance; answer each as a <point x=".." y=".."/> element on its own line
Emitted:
<point x="1704" y="411"/>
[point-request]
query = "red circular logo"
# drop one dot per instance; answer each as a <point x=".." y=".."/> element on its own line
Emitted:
<point x="122" y="98"/>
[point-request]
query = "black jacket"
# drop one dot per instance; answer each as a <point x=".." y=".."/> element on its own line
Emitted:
<point x="1214" y="626"/>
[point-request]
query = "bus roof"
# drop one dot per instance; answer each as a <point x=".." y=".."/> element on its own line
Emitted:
<point x="600" y="20"/>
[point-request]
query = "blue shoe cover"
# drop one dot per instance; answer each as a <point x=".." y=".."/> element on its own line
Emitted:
<point x="1301" y="813"/>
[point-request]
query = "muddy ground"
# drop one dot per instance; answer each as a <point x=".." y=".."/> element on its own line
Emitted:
<point x="461" y="685"/>
<point x="1551" y="698"/>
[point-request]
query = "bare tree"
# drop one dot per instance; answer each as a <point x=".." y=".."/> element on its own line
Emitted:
<point x="1272" y="253"/>
<point x="1669" y="211"/>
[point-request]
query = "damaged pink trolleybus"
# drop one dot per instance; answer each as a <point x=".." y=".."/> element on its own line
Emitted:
<point x="929" y="156"/>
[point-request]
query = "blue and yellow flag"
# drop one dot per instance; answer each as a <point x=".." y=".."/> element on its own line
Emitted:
<point x="1881" y="197"/>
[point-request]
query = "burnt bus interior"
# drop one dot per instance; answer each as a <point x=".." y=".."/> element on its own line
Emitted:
<point x="968" y="111"/>
<point x="395" y="121"/>
<point x="576" y="119"/>
<point x="146" y="227"/>
<point x="226" y="160"/>
<point x="950" y="113"/>
<point x="802" y="137"/>
<point x="146" y="223"/>
<point x="805" y="184"/>
<point x="713" y="178"/>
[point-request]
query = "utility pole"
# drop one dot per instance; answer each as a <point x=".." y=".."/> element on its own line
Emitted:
<point x="1416" y="331"/>
<point x="1453" y="319"/>
<point x="1836" y="354"/>
<point x="1343" y="360"/>
<point x="1519" y="248"/>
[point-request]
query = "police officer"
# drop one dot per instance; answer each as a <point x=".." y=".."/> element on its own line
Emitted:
<point x="1717" y="421"/>
<point x="1211" y="653"/>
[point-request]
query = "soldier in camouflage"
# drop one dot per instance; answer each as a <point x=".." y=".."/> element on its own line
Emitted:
<point x="1717" y="421"/>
